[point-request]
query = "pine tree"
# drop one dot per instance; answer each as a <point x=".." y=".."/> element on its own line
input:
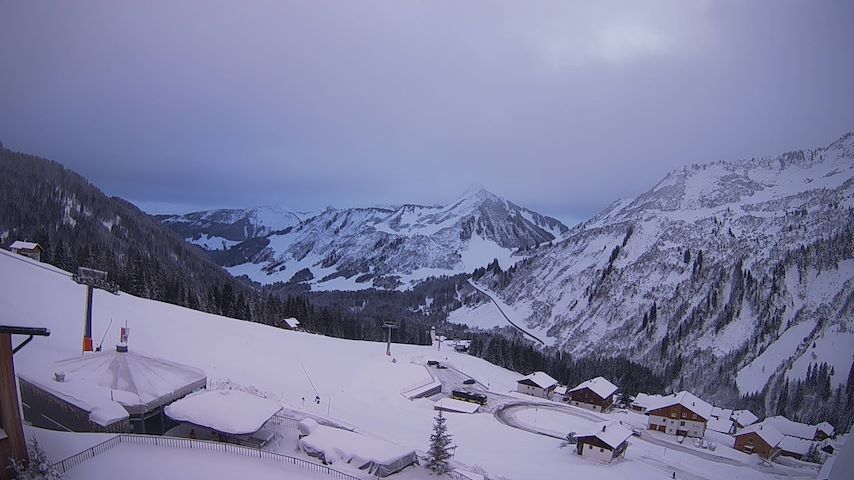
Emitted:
<point x="440" y="452"/>
<point x="38" y="468"/>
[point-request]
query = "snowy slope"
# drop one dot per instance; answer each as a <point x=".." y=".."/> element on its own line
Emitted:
<point x="381" y="247"/>
<point x="222" y="229"/>
<point x="777" y="271"/>
<point x="357" y="383"/>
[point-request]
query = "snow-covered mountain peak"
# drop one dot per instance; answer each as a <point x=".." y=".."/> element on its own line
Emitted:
<point x="382" y="247"/>
<point x="715" y="262"/>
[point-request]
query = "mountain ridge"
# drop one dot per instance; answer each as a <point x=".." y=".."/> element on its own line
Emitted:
<point x="706" y="271"/>
<point x="363" y="247"/>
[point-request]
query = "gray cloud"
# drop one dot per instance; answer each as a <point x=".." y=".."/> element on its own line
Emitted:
<point x="560" y="106"/>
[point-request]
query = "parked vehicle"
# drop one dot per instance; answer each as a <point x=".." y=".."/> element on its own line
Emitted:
<point x="441" y="367"/>
<point x="467" y="396"/>
<point x="469" y="381"/>
<point x="432" y="363"/>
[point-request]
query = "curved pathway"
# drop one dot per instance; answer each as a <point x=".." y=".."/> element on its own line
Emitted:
<point x="495" y="302"/>
<point x="504" y="414"/>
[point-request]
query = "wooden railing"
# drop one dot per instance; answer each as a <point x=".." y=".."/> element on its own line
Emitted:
<point x="174" y="442"/>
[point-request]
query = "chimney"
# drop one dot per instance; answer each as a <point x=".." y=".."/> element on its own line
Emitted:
<point x="59" y="377"/>
<point x="604" y="427"/>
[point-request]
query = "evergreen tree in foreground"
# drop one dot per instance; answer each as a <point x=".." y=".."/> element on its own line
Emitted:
<point x="440" y="452"/>
<point x="38" y="468"/>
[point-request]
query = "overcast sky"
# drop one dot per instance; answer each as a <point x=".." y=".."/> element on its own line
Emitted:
<point x="559" y="106"/>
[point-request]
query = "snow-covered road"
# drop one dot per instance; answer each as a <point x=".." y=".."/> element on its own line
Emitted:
<point x="498" y="306"/>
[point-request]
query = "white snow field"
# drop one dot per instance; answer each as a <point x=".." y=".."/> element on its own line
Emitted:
<point x="357" y="385"/>
<point x="142" y="462"/>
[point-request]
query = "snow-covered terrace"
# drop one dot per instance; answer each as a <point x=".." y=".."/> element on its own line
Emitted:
<point x="228" y="411"/>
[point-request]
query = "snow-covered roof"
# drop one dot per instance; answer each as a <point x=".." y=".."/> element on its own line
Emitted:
<point x="744" y="417"/>
<point x="723" y="425"/>
<point x="352" y="447"/>
<point x="19" y="244"/>
<point x="687" y="400"/>
<point x="613" y="433"/>
<point x="90" y="398"/>
<point x="771" y="435"/>
<point x="292" y="322"/>
<point x="794" y="445"/>
<point x="643" y="400"/>
<point x="722" y="413"/>
<point x="561" y="390"/>
<point x="540" y="379"/>
<point x="228" y="411"/>
<point x="792" y="428"/>
<point x="138" y="382"/>
<point x="826" y="428"/>
<point x="455" y="405"/>
<point x="599" y="385"/>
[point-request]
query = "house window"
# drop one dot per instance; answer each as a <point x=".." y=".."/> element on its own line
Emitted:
<point x="601" y="450"/>
<point x="684" y="415"/>
<point x="590" y="447"/>
<point x="682" y="424"/>
<point x="695" y="416"/>
<point x="673" y="414"/>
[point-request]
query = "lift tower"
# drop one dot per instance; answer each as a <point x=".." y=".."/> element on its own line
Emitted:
<point x="389" y="326"/>
<point x="92" y="279"/>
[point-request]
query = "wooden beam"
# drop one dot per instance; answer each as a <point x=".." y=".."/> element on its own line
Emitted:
<point x="10" y="411"/>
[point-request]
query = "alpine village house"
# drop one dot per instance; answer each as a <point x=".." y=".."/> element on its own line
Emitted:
<point x="681" y="414"/>
<point x="605" y="442"/>
<point x="596" y="394"/>
<point x="538" y="384"/>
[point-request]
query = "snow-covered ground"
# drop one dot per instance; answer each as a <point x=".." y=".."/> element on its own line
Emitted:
<point x="356" y="382"/>
<point x="142" y="462"/>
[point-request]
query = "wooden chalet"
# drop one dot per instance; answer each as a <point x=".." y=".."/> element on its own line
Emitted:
<point x="681" y="414"/>
<point x="538" y="384"/>
<point x="28" y="249"/>
<point x="759" y="439"/>
<point x="801" y="430"/>
<point x="824" y="431"/>
<point x="744" y="418"/>
<point x="605" y="442"/>
<point x="596" y="394"/>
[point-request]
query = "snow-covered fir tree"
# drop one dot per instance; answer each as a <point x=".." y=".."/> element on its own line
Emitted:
<point x="441" y="451"/>
<point x="38" y="468"/>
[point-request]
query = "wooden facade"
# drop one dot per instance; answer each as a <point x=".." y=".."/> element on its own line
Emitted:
<point x="677" y="419"/>
<point x="529" y="387"/>
<point x="10" y="418"/>
<point x="34" y="252"/>
<point x="754" y="443"/>
<point x="587" y="398"/>
<point x="592" y="446"/>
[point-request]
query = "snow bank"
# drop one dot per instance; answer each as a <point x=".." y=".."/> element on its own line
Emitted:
<point x="367" y="453"/>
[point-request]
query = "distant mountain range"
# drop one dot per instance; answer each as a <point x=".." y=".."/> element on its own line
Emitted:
<point x="735" y="275"/>
<point x="358" y="248"/>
